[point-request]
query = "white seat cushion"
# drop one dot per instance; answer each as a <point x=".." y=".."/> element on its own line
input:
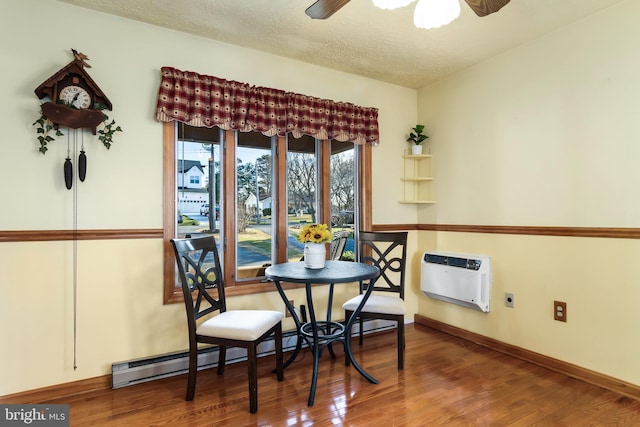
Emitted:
<point x="377" y="304"/>
<point x="245" y="325"/>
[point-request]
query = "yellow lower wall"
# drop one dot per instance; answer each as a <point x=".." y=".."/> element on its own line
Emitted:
<point x="120" y="315"/>
<point x="119" y="310"/>
<point x="597" y="278"/>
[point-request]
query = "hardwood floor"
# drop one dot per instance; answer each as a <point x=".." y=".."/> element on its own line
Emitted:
<point x="447" y="380"/>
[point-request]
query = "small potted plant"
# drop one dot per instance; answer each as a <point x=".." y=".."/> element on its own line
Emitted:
<point x="416" y="136"/>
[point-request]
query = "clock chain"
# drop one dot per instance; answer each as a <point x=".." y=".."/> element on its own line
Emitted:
<point x="70" y="179"/>
<point x="75" y="255"/>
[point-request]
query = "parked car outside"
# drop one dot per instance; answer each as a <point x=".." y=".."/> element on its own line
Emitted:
<point x="204" y="210"/>
<point x="342" y="219"/>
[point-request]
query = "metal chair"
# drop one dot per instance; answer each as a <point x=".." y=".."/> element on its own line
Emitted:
<point x="203" y="291"/>
<point x="339" y="242"/>
<point x="387" y="251"/>
<point x="336" y="248"/>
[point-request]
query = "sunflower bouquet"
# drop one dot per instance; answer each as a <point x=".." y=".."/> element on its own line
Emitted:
<point x="315" y="233"/>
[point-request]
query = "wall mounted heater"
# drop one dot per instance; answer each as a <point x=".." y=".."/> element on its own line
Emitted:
<point x="457" y="278"/>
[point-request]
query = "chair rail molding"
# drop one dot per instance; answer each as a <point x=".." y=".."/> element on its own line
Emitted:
<point x="157" y="233"/>
<point x="602" y="232"/>
<point x="60" y="235"/>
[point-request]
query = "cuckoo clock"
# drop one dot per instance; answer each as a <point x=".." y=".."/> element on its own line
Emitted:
<point x="71" y="98"/>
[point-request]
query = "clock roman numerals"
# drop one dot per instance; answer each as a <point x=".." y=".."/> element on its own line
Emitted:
<point x="75" y="96"/>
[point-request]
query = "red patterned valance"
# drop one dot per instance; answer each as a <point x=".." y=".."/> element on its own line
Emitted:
<point x="206" y="101"/>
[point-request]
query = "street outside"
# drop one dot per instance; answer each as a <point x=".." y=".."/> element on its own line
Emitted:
<point x="255" y="232"/>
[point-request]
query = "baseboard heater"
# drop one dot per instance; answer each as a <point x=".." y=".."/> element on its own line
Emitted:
<point x="153" y="368"/>
<point x="457" y="278"/>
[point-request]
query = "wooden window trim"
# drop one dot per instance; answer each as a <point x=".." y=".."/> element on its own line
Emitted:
<point x="228" y="153"/>
<point x="281" y="188"/>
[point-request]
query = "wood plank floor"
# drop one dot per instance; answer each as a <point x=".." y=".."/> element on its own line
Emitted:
<point x="447" y="380"/>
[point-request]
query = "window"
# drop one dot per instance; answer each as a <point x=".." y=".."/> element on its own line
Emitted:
<point x="258" y="191"/>
<point x="254" y="228"/>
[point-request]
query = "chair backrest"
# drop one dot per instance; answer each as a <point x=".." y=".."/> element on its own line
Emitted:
<point x="337" y="245"/>
<point x="387" y="251"/>
<point x="336" y="249"/>
<point x="200" y="276"/>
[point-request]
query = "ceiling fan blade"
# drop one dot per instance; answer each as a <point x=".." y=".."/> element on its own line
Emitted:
<point x="322" y="9"/>
<point x="486" y="7"/>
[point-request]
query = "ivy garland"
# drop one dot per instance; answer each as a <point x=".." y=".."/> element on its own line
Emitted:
<point x="44" y="128"/>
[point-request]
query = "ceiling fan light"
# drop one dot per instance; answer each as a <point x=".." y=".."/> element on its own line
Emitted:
<point x="391" y="4"/>
<point x="435" y="13"/>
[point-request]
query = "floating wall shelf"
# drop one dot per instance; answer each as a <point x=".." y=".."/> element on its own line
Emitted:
<point x="417" y="179"/>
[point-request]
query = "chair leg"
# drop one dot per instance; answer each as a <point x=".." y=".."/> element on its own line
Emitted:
<point x="252" y="361"/>
<point x="222" y="359"/>
<point x="401" y="344"/>
<point x="278" y="343"/>
<point x="347" y="315"/>
<point x="193" y="370"/>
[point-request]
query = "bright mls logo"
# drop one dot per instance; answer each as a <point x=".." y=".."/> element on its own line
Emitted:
<point x="34" y="415"/>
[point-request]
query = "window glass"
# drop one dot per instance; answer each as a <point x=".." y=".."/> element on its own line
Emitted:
<point x="343" y="194"/>
<point x="198" y="182"/>
<point x="253" y="226"/>
<point x="302" y="194"/>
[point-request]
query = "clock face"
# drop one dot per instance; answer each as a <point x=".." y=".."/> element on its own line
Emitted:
<point x="75" y="96"/>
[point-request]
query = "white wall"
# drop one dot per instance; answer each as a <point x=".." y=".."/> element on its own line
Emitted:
<point x="547" y="135"/>
<point x="120" y="311"/>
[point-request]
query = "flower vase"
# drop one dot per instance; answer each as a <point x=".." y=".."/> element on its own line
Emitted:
<point x="315" y="255"/>
<point x="416" y="149"/>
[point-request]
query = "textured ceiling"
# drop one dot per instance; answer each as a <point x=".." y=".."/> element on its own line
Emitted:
<point x="359" y="39"/>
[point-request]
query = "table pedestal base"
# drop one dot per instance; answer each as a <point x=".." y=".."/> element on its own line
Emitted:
<point x="322" y="334"/>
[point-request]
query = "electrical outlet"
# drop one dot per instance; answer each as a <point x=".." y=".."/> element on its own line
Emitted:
<point x="560" y="311"/>
<point x="508" y="299"/>
<point x="287" y="313"/>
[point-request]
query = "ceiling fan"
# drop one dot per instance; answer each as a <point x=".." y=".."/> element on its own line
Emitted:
<point x="322" y="9"/>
